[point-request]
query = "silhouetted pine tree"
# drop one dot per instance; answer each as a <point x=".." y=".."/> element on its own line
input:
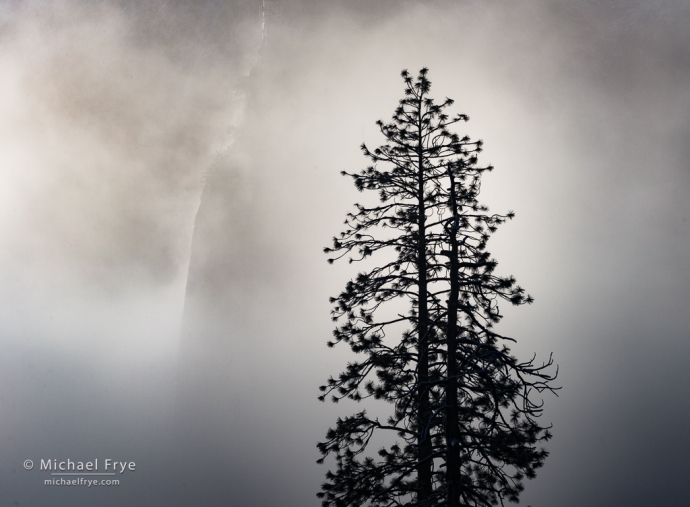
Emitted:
<point x="464" y="421"/>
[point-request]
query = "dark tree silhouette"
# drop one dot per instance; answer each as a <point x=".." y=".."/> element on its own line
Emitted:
<point x="463" y="428"/>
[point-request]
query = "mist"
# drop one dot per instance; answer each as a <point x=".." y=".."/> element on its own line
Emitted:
<point x="168" y="184"/>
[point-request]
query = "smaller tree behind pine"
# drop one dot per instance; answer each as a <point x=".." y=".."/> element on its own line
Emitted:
<point x="464" y="418"/>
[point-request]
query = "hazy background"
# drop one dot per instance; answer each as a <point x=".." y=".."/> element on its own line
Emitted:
<point x="114" y="114"/>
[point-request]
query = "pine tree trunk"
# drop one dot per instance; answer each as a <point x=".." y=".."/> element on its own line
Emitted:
<point x="424" y="440"/>
<point x="452" y="429"/>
